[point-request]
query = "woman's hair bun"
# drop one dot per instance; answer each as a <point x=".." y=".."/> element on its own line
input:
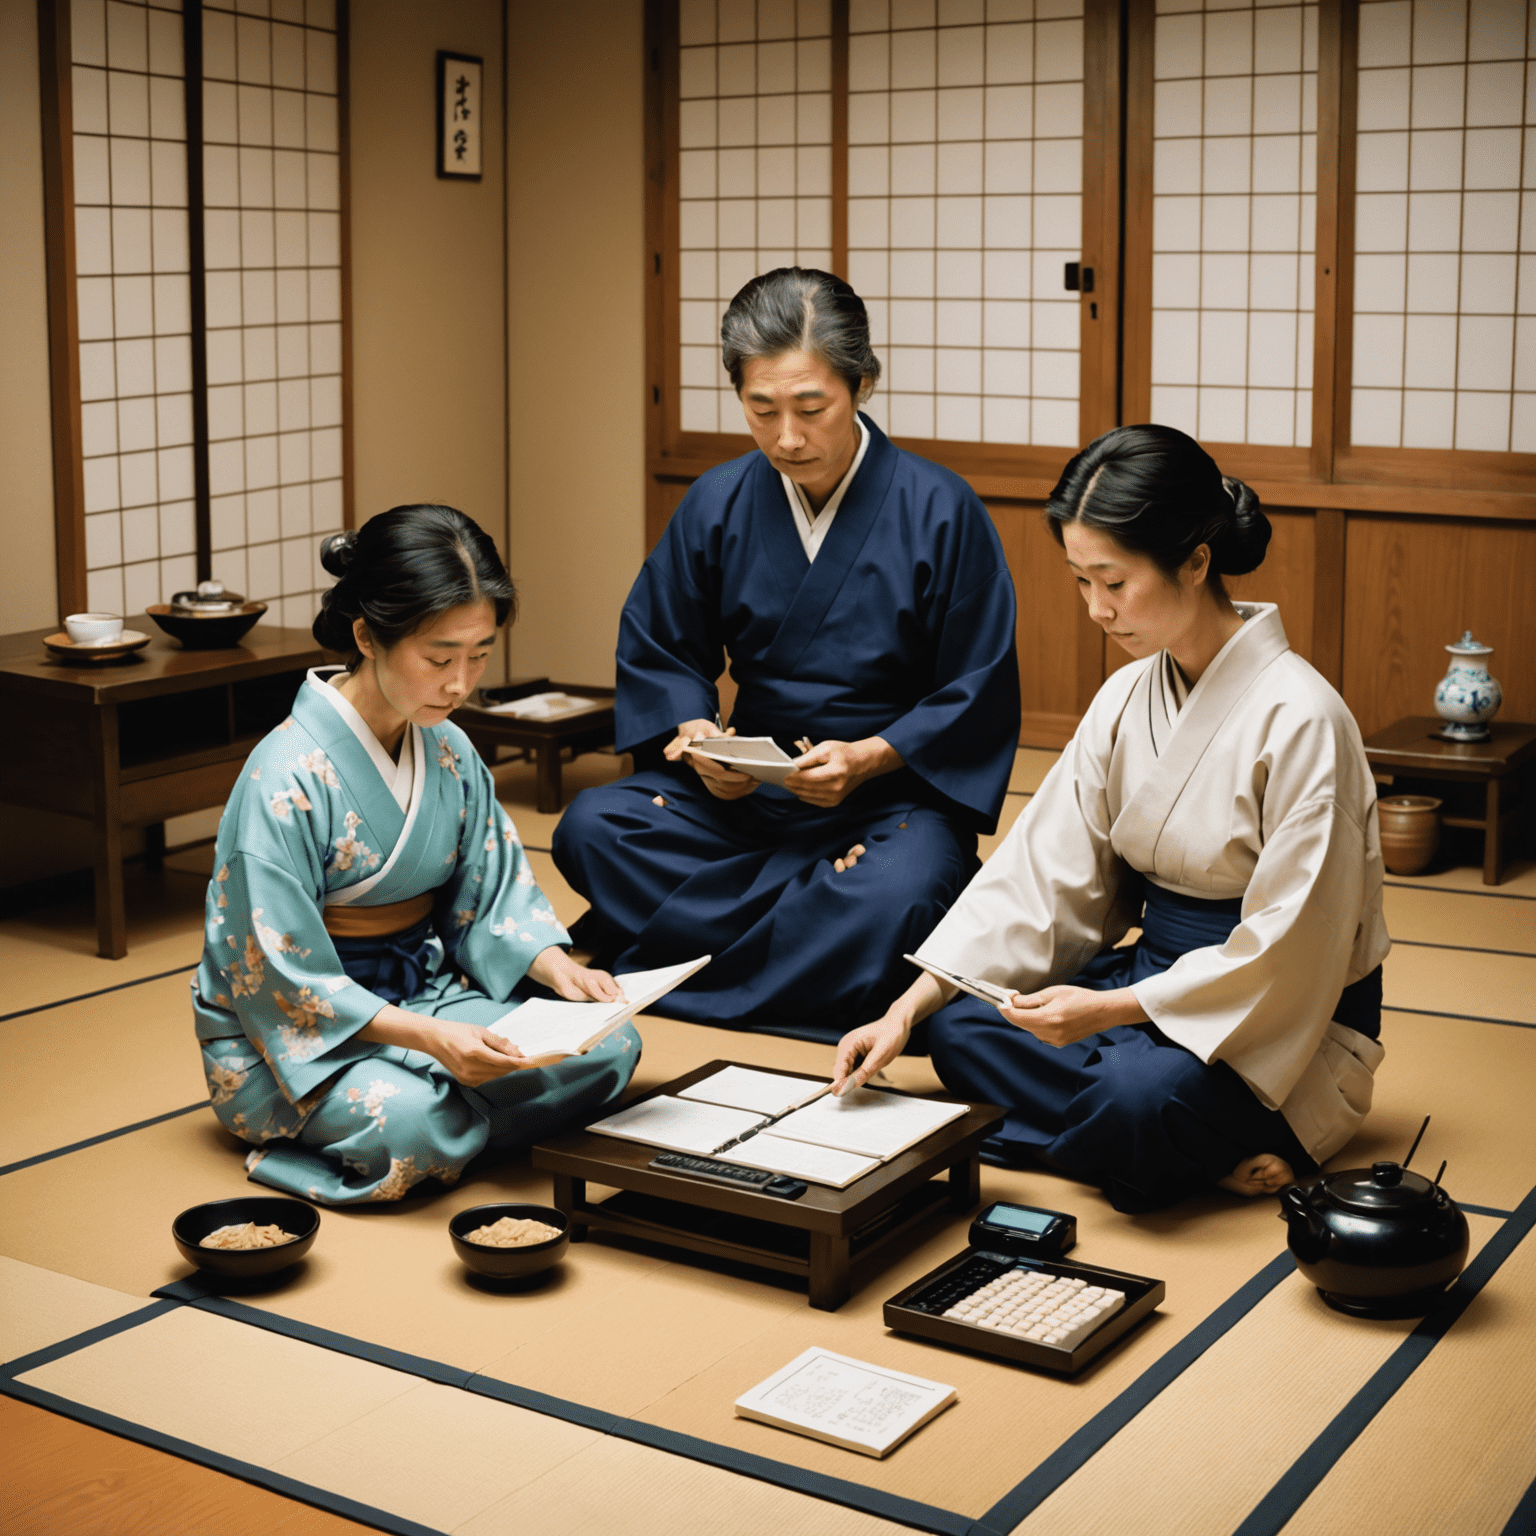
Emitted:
<point x="336" y="552"/>
<point x="1240" y="547"/>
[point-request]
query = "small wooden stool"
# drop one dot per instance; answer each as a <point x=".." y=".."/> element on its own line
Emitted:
<point x="1414" y="749"/>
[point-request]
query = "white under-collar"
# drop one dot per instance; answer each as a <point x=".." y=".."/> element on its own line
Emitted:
<point x="398" y="777"/>
<point x="812" y="526"/>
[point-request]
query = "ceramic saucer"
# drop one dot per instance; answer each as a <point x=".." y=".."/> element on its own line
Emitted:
<point x="65" y="649"/>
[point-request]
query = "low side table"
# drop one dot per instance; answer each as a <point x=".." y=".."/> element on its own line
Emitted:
<point x="130" y="743"/>
<point x="1414" y="749"/>
<point x="545" y="739"/>
<point x="820" y="1236"/>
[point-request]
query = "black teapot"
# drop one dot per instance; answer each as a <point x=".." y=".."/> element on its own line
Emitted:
<point x="1377" y="1241"/>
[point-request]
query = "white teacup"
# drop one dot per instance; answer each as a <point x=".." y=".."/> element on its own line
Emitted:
<point x="94" y="628"/>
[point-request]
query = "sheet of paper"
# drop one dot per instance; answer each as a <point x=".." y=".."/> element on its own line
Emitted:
<point x="801" y="1160"/>
<point x="761" y="756"/>
<point x="769" y="1093"/>
<point x="643" y="988"/>
<point x="679" y="1125"/>
<point x="868" y="1121"/>
<point x="542" y="706"/>
<point x="867" y="1408"/>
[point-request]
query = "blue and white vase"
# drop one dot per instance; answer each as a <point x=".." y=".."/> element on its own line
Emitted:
<point x="1467" y="698"/>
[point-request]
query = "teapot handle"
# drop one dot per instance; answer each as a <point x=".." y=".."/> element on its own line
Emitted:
<point x="1308" y="1231"/>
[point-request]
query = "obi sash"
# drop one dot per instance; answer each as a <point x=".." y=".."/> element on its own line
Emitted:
<point x="1172" y="924"/>
<point x="354" y="922"/>
<point x="388" y="950"/>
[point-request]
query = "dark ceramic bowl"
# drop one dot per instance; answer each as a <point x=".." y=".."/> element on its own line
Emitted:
<point x="509" y="1263"/>
<point x="207" y="631"/>
<point x="192" y="1226"/>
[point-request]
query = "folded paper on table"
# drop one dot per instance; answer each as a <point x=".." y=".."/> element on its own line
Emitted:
<point x="801" y="1160"/>
<point x="769" y="1093"/>
<point x="828" y="1141"/>
<point x="542" y="706"/>
<point x="547" y="1030"/>
<point x="760" y="756"/>
<point x="868" y="1122"/>
<point x="865" y="1408"/>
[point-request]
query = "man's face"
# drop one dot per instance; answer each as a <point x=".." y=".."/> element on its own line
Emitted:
<point x="802" y="416"/>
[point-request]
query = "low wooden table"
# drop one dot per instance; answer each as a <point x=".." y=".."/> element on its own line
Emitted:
<point x="128" y="743"/>
<point x="1414" y="750"/>
<point x="545" y="740"/>
<point x="820" y="1236"/>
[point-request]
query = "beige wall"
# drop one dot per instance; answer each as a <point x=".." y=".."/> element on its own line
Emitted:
<point x="27" y="580"/>
<point x="577" y="323"/>
<point x="428" y="295"/>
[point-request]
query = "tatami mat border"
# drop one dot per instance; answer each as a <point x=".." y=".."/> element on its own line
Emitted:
<point x="1293" y="1489"/>
<point x="1458" y="890"/>
<point x="1470" y="1018"/>
<point x="1267" y="1518"/>
<point x="923" y="1517"/>
<point x="83" y="997"/>
<point x="1075" y="1451"/>
<point x="1523" y="1520"/>
<point x="1466" y="949"/>
<point x="91" y="1141"/>
<point x="217" y="1461"/>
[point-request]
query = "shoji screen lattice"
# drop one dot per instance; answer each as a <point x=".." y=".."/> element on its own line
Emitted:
<point x="273" y="252"/>
<point x="1234" y="211"/>
<point x="133" y="298"/>
<point x="964" y="181"/>
<point x="755" y="170"/>
<point x="1445" y="275"/>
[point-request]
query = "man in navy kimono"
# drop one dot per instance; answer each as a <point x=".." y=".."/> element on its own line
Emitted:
<point x="862" y="598"/>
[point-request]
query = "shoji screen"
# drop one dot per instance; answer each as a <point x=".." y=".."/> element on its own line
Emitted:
<point x="130" y="165"/>
<point x="272" y="240"/>
<point x="1445" y="275"/>
<point x="965" y="160"/>
<point x="1234" y="213"/>
<point x="754" y="173"/>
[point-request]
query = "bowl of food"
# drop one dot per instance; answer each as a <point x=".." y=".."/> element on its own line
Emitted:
<point x="510" y="1242"/>
<point x="248" y="1236"/>
<point x="207" y="618"/>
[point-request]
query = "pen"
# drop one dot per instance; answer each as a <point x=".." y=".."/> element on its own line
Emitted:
<point x="803" y="744"/>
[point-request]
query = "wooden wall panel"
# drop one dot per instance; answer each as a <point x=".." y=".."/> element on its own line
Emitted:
<point x="1285" y="578"/>
<point x="1412" y="585"/>
<point x="1048" y="615"/>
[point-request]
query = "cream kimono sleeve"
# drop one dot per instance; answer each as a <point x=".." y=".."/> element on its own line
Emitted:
<point x="276" y="970"/>
<point x="492" y="916"/>
<point x="1055" y="892"/>
<point x="1262" y="1001"/>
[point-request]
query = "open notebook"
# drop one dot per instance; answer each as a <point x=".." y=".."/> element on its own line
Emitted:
<point x="785" y="1124"/>
<point x="547" y="1030"/>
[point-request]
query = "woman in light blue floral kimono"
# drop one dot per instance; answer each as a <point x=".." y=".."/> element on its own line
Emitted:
<point x="372" y="908"/>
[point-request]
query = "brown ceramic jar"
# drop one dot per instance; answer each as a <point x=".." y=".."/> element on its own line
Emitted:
<point x="1410" y="832"/>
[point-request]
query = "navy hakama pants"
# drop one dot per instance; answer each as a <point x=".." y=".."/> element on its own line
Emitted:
<point x="799" y="949"/>
<point x="1127" y="1109"/>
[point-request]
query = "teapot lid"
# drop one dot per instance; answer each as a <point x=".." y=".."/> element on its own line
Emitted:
<point x="1467" y="646"/>
<point x="210" y="597"/>
<point x="1383" y="1189"/>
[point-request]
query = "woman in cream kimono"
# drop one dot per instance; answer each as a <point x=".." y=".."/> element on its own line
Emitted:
<point x="1217" y="795"/>
<point x="372" y="908"/>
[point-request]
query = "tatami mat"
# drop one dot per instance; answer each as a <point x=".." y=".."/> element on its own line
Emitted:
<point x="1455" y="1448"/>
<point x="39" y="1307"/>
<point x="1459" y="919"/>
<point x="1519" y="879"/>
<point x="1030" y="766"/>
<point x="1311" y="1359"/>
<point x="1442" y="981"/>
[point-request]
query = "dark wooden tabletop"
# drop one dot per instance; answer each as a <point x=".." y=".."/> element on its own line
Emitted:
<point x="160" y="667"/>
<point x="1416" y="743"/>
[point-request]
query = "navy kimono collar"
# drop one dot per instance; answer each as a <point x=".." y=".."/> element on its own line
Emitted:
<point x="819" y="582"/>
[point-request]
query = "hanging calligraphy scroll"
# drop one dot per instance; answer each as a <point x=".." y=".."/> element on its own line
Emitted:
<point x="458" y="116"/>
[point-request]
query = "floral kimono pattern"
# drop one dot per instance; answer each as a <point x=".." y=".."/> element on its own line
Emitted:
<point x="311" y="822"/>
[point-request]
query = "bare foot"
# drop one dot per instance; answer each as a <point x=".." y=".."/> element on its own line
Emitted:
<point x="1262" y="1174"/>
